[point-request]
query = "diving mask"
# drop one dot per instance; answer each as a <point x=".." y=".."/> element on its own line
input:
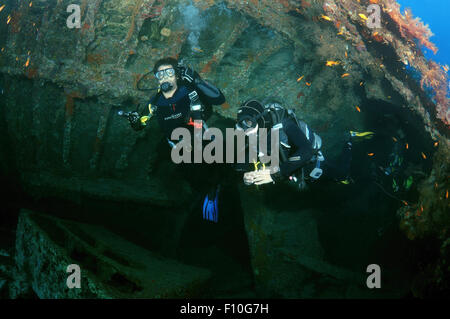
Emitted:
<point x="248" y="127"/>
<point x="166" y="72"/>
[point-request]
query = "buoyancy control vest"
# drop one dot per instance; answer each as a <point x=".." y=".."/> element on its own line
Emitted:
<point x="277" y="115"/>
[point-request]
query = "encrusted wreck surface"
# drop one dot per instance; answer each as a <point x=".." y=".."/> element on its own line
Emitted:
<point x="62" y="88"/>
<point x="111" y="267"/>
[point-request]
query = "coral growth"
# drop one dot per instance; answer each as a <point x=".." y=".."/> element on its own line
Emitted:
<point x="429" y="218"/>
<point x="430" y="214"/>
<point x="136" y="9"/>
<point x="94" y="58"/>
<point x="434" y="77"/>
<point x="409" y="27"/>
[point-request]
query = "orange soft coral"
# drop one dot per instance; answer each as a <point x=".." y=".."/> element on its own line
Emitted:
<point x="409" y="27"/>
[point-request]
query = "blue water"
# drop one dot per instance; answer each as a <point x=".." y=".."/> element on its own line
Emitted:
<point x="435" y="13"/>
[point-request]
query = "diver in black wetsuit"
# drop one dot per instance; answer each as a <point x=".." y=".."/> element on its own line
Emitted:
<point x="184" y="100"/>
<point x="301" y="160"/>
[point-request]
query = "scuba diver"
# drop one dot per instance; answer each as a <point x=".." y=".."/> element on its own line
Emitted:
<point x="301" y="159"/>
<point x="396" y="169"/>
<point x="183" y="97"/>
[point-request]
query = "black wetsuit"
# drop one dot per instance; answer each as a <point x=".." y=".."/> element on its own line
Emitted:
<point x="175" y="112"/>
<point x="300" y="154"/>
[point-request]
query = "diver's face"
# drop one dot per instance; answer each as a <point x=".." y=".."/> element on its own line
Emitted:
<point x="166" y="73"/>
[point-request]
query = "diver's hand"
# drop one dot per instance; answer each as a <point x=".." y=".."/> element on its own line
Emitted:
<point x="258" y="177"/>
<point x="262" y="177"/>
<point x="248" y="178"/>
<point x="188" y="74"/>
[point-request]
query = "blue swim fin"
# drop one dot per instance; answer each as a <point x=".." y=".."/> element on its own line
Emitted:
<point x="211" y="206"/>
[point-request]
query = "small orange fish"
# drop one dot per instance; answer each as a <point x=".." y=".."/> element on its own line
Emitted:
<point x="300" y="78"/>
<point x="371" y="154"/>
<point x="28" y="62"/>
<point x="325" y="17"/>
<point x="338" y="24"/>
<point x="407" y="146"/>
<point x="445" y="67"/>
<point x="357" y="108"/>
<point x="346" y="55"/>
<point x="421" y="208"/>
<point x="436" y="144"/>
<point x="395" y="140"/>
<point x="360" y="83"/>
<point x="1" y="8"/>
<point x="344" y="75"/>
<point x="331" y="63"/>
<point x="308" y="84"/>
<point x="131" y="52"/>
<point x="31" y="3"/>
<point x="424" y="156"/>
<point x="446" y="194"/>
<point x="405" y="202"/>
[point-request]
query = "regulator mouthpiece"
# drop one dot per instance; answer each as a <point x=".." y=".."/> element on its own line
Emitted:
<point x="166" y="87"/>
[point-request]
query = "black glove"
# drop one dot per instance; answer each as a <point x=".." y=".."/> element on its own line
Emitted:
<point x="135" y="121"/>
<point x="189" y="75"/>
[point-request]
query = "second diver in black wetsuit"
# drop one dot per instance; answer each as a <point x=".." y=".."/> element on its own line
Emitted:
<point x="301" y="160"/>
